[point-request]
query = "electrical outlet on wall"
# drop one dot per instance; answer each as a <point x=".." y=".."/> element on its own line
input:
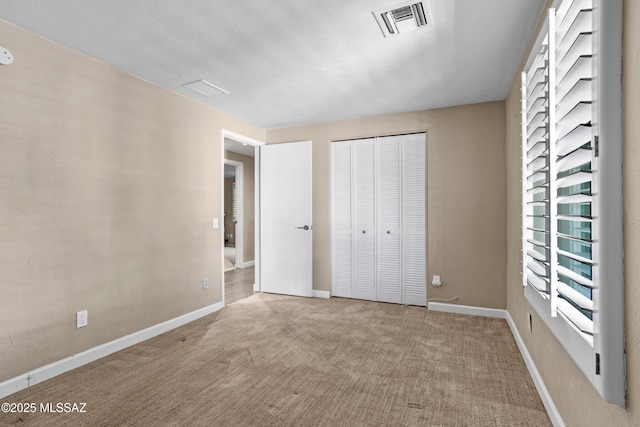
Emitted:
<point x="205" y="284"/>
<point x="82" y="319"/>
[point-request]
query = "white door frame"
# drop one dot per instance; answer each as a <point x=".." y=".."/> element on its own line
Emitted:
<point x="255" y="143"/>
<point x="239" y="233"/>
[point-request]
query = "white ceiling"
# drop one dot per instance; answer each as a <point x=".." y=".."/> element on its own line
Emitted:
<point x="294" y="62"/>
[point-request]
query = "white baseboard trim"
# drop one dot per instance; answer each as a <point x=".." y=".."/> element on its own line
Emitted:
<point x="321" y="294"/>
<point x="467" y="309"/>
<point x="13" y="385"/>
<point x="247" y="264"/>
<point x="552" y="411"/>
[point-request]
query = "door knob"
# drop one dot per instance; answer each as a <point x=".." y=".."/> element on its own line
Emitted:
<point x="306" y="227"/>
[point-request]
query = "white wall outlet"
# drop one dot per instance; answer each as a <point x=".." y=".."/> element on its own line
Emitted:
<point x="215" y="223"/>
<point x="436" y="281"/>
<point x="5" y="56"/>
<point x="205" y="284"/>
<point x="82" y="319"/>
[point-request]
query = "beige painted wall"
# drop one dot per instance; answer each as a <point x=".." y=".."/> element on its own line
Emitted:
<point x="577" y="401"/>
<point x="249" y="209"/>
<point x="108" y="186"/>
<point x="466" y="195"/>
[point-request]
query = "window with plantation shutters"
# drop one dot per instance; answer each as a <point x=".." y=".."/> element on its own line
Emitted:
<point x="572" y="199"/>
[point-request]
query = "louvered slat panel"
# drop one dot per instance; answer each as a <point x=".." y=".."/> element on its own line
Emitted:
<point x="389" y="268"/>
<point x="575" y="159"/>
<point x="538" y="164"/>
<point x="567" y="13"/>
<point x="582" y="301"/>
<point x="575" y="199"/>
<point x="573" y="97"/>
<point x="578" y="115"/>
<point x="341" y="181"/>
<point x="576" y="138"/>
<point x="574" y="179"/>
<point x="574" y="106"/>
<point x="537" y="178"/>
<point x="342" y="284"/>
<point x="584" y="281"/>
<point x="537" y="150"/>
<point x="575" y="257"/>
<point x="536" y="173"/>
<point x="539" y="135"/>
<point x="541" y="285"/>
<point x="364" y="186"/>
<point x="414" y="193"/>
<point x="364" y="266"/>
<point x="388" y="184"/>
<point x="414" y="268"/>
<point x="575" y="316"/>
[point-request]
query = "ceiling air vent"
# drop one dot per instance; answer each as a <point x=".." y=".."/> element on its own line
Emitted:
<point x="403" y="17"/>
<point x="205" y="88"/>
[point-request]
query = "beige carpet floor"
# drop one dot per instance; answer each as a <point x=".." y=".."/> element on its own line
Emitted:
<point x="272" y="360"/>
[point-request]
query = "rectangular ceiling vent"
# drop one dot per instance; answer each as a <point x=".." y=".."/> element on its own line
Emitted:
<point x="403" y="17"/>
<point x="205" y="88"/>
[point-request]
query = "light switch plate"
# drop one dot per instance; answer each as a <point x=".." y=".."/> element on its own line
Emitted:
<point x="215" y="223"/>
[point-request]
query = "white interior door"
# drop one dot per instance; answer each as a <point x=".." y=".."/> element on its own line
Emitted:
<point x="285" y="231"/>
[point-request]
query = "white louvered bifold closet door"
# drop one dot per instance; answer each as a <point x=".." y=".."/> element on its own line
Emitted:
<point x="364" y="214"/>
<point x="379" y="219"/>
<point x="388" y="197"/>
<point x="342" y="236"/>
<point x="414" y="219"/>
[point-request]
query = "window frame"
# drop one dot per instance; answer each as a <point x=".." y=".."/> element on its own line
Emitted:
<point x="603" y="362"/>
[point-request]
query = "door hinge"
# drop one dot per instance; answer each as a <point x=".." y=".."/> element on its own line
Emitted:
<point x="596" y="144"/>
<point x="597" y="363"/>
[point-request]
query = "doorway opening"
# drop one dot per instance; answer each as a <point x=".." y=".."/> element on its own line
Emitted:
<point x="240" y="217"/>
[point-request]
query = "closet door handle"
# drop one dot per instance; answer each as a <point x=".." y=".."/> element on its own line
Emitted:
<point x="364" y="231"/>
<point x="388" y="232"/>
<point x="306" y="227"/>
